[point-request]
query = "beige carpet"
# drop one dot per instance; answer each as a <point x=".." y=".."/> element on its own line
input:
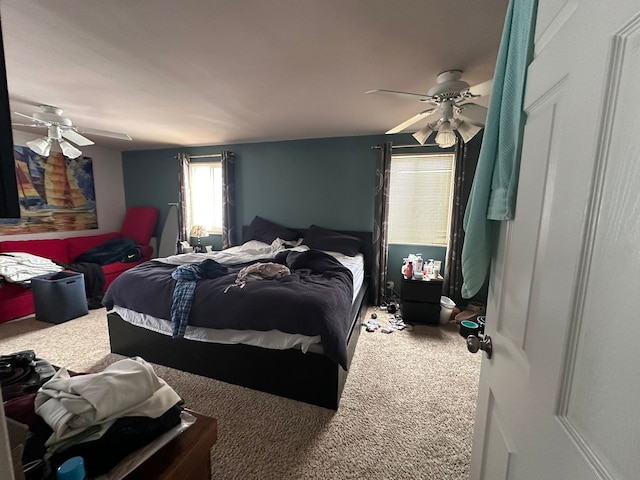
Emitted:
<point x="406" y="412"/>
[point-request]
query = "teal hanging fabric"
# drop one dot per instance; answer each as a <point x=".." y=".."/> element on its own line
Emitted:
<point x="495" y="183"/>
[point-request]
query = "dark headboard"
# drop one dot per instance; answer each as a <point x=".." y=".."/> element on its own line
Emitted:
<point x="366" y="249"/>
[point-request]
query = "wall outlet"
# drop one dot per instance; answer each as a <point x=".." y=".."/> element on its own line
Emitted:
<point x="390" y="285"/>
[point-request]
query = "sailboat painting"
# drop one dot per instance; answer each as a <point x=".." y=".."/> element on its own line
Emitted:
<point x="56" y="194"/>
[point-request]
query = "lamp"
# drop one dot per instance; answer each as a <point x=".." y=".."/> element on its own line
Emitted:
<point x="445" y="137"/>
<point x="69" y="150"/>
<point x="41" y="146"/>
<point x="198" y="231"/>
<point x="422" y="134"/>
<point x="468" y="130"/>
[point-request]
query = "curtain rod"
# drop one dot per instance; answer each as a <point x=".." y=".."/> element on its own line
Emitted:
<point x="409" y="146"/>
<point x="414" y="146"/>
<point x="212" y="155"/>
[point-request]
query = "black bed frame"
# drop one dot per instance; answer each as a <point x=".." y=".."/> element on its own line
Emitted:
<point x="308" y="377"/>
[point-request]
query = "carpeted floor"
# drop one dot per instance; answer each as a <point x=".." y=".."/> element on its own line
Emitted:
<point x="407" y="410"/>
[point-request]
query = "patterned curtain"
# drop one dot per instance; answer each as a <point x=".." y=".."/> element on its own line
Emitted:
<point x="465" y="168"/>
<point x="380" y="231"/>
<point x="453" y="267"/>
<point x="228" y="199"/>
<point x="184" y="198"/>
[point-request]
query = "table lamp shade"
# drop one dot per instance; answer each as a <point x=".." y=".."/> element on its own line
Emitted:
<point x="198" y="231"/>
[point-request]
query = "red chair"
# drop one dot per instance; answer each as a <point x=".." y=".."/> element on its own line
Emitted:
<point x="139" y="223"/>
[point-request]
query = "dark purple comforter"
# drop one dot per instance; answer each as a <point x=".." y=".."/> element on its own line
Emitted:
<point x="315" y="299"/>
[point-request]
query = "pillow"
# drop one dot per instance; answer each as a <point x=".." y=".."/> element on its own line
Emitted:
<point x="328" y="240"/>
<point x="266" y="231"/>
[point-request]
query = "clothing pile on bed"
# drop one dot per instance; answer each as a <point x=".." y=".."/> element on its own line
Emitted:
<point x="101" y="417"/>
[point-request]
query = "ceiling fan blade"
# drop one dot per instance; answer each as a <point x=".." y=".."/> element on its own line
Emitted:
<point x="102" y="133"/>
<point x="420" y="96"/>
<point x="467" y="130"/>
<point x="76" y="138"/>
<point x="474" y="112"/>
<point x="37" y="120"/>
<point x="481" y="89"/>
<point x="412" y="120"/>
<point x="27" y="125"/>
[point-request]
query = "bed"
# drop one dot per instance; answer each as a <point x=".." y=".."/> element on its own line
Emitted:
<point x="292" y="336"/>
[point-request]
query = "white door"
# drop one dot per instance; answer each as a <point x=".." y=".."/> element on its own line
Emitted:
<point x="559" y="398"/>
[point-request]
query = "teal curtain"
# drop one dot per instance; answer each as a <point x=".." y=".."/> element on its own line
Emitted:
<point x="493" y="193"/>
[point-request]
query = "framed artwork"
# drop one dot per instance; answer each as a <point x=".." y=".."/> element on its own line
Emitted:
<point x="56" y="194"/>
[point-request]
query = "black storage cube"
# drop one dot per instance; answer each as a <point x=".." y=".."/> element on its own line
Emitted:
<point x="59" y="297"/>
<point x="420" y="301"/>
<point x="422" y="291"/>
<point x="420" y="312"/>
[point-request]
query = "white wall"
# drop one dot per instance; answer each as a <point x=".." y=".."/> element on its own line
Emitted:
<point x="109" y="187"/>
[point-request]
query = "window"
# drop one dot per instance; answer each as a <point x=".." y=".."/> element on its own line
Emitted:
<point x="206" y="195"/>
<point x="420" y="198"/>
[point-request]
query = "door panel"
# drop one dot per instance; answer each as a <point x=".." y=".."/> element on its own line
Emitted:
<point x="601" y="366"/>
<point x="557" y="399"/>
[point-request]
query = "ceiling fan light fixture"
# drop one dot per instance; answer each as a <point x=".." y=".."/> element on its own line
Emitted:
<point x="423" y="134"/>
<point x="41" y="146"/>
<point x="445" y="137"/>
<point x="69" y="150"/>
<point x="468" y="130"/>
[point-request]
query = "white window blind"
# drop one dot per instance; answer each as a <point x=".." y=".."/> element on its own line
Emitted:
<point x="206" y="195"/>
<point x="420" y="198"/>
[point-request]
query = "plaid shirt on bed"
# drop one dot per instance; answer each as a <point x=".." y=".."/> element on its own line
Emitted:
<point x="186" y="277"/>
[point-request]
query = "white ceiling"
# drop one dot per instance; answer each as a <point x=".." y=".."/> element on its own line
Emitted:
<point x="211" y="72"/>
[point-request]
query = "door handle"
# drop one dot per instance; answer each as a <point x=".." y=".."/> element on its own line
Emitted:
<point x="475" y="343"/>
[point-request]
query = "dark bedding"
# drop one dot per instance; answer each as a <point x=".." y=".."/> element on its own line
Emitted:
<point x="315" y="299"/>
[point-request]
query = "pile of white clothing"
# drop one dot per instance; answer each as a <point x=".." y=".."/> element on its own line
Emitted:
<point x="75" y="406"/>
<point x="20" y="267"/>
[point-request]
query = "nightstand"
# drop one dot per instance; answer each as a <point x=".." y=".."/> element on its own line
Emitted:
<point x="420" y="301"/>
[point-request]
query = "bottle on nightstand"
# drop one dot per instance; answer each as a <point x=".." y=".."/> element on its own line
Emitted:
<point x="417" y="268"/>
<point x="409" y="271"/>
<point x="428" y="269"/>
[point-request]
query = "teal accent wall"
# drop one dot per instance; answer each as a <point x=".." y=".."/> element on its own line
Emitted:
<point x="328" y="181"/>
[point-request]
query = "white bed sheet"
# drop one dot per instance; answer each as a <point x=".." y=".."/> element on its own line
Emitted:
<point x="274" y="339"/>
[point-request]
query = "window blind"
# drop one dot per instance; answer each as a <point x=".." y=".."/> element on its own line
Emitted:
<point x="206" y="195"/>
<point x="420" y="198"/>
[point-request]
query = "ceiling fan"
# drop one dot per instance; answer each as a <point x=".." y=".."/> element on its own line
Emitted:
<point x="450" y="98"/>
<point x="61" y="129"/>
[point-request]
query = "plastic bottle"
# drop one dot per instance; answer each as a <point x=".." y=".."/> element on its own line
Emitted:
<point x="72" y="469"/>
<point x="403" y="270"/>
<point x="409" y="271"/>
<point x="429" y="268"/>
<point x="418" y="263"/>
<point x="436" y="270"/>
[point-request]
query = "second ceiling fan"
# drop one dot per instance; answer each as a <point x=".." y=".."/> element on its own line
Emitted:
<point x="61" y="129"/>
<point x="450" y="98"/>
